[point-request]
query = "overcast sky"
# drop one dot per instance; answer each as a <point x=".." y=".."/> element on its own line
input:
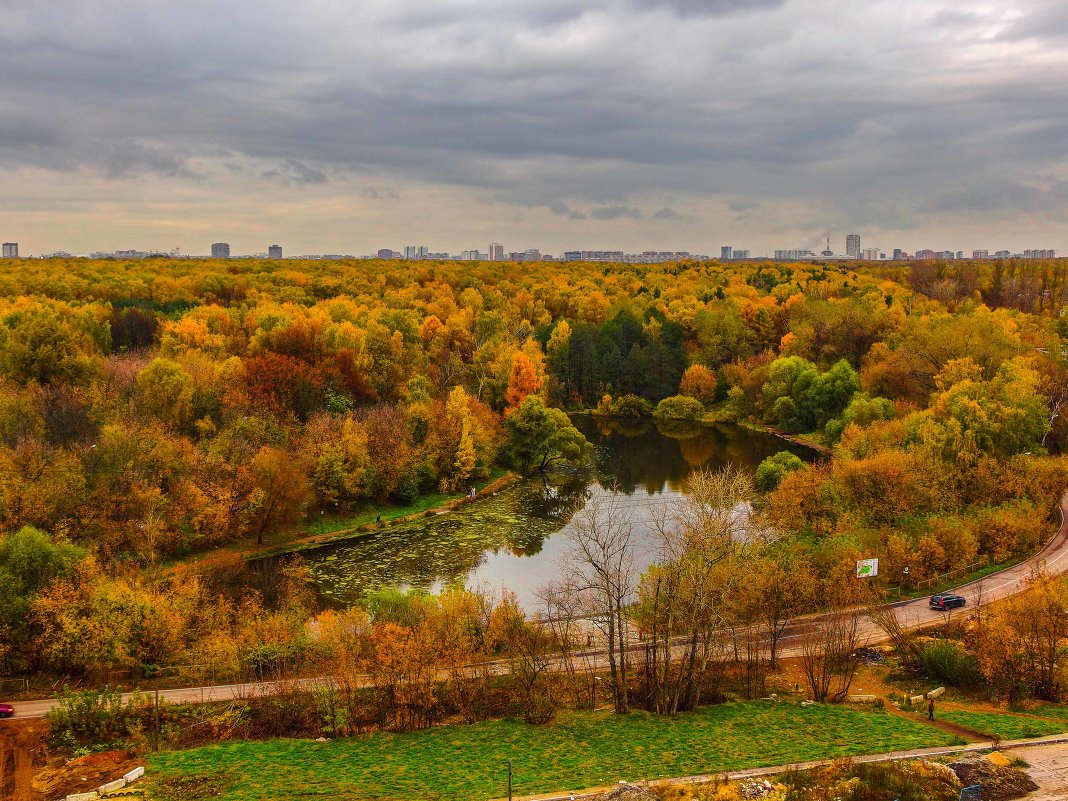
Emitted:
<point x="342" y="127"/>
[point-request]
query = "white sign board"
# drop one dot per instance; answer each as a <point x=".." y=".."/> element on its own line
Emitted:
<point x="867" y="568"/>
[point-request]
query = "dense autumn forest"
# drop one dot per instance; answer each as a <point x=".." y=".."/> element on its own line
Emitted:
<point x="150" y="410"/>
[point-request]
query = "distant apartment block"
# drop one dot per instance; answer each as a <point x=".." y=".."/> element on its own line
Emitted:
<point x="274" y="252"/>
<point x="531" y="254"/>
<point x="740" y="254"/>
<point x="496" y="252"/>
<point x="980" y="254"/>
<point x="1040" y="254"/>
<point x="900" y="255"/>
<point x="870" y="254"/>
<point x="471" y="255"/>
<point x="793" y="254"/>
<point x="726" y="253"/>
<point x="1002" y="254"/>
<point x="386" y="253"/>
<point x="11" y="250"/>
<point x="220" y="250"/>
<point x="853" y="246"/>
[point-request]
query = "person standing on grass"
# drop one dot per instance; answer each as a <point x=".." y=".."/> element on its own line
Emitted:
<point x="930" y="709"/>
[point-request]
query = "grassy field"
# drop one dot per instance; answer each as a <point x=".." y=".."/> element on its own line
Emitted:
<point x="1007" y="727"/>
<point x="580" y="750"/>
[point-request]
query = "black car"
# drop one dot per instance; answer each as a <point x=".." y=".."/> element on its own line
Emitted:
<point x="947" y="601"/>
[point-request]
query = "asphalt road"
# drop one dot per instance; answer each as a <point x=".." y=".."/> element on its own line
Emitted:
<point x="911" y="615"/>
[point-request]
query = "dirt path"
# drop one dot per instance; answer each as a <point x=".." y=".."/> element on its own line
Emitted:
<point x="869" y="680"/>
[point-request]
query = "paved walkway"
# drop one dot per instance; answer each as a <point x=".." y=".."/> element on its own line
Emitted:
<point x="1049" y="769"/>
<point x="1048" y="757"/>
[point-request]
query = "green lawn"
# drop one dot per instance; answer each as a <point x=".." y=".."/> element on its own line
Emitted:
<point x="580" y="750"/>
<point x="1055" y="711"/>
<point x="1007" y="727"/>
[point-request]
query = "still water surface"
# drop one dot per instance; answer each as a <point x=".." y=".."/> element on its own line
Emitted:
<point x="512" y="539"/>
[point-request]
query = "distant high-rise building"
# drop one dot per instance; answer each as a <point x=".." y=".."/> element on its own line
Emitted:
<point x="980" y="254"/>
<point x="853" y="246"/>
<point x="496" y="252"/>
<point x="385" y="253"/>
<point x="726" y="253"/>
<point x="11" y="250"/>
<point x="899" y="254"/>
<point x="274" y="252"/>
<point x="424" y="251"/>
<point x="411" y="252"/>
<point x="220" y="250"/>
<point x="740" y="254"/>
<point x="870" y="254"/>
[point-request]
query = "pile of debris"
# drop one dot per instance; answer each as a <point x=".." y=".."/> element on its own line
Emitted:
<point x="84" y="773"/>
<point x="755" y="788"/>
<point x="999" y="780"/>
<point x="628" y="792"/>
<point x="868" y="656"/>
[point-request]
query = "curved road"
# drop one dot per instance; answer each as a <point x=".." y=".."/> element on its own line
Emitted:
<point x="910" y="614"/>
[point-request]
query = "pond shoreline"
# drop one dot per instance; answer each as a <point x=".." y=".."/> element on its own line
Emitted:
<point x="710" y="419"/>
<point x="317" y="540"/>
<point x="511" y="538"/>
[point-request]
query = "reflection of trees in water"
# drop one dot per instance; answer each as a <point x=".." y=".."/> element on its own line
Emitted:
<point x="640" y="453"/>
<point x="555" y="494"/>
<point x="446" y="548"/>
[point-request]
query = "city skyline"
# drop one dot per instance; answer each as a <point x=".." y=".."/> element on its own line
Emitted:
<point x="610" y="123"/>
<point x="497" y="252"/>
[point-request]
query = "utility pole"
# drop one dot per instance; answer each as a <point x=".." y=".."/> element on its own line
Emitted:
<point x="155" y="711"/>
<point x="509" y="780"/>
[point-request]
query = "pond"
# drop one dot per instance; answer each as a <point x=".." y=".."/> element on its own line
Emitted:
<point x="512" y="540"/>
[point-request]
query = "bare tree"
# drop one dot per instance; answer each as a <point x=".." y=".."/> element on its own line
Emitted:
<point x="702" y="537"/>
<point x="903" y="640"/>
<point x="827" y="652"/>
<point x="562" y="605"/>
<point x="598" y="564"/>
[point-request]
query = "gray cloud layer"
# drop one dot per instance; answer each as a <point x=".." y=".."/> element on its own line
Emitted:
<point x="879" y="114"/>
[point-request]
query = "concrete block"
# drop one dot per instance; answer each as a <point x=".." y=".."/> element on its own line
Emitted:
<point x="118" y="784"/>
<point x="134" y="775"/>
<point x="861" y="699"/>
<point x="916" y="699"/>
<point x="83" y="796"/>
<point x="936" y="692"/>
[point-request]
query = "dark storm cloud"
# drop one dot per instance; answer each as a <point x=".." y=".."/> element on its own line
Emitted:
<point x="579" y="107"/>
<point x="614" y="212"/>
<point x="667" y="213"/>
<point x="701" y="8"/>
<point x="294" y="172"/>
